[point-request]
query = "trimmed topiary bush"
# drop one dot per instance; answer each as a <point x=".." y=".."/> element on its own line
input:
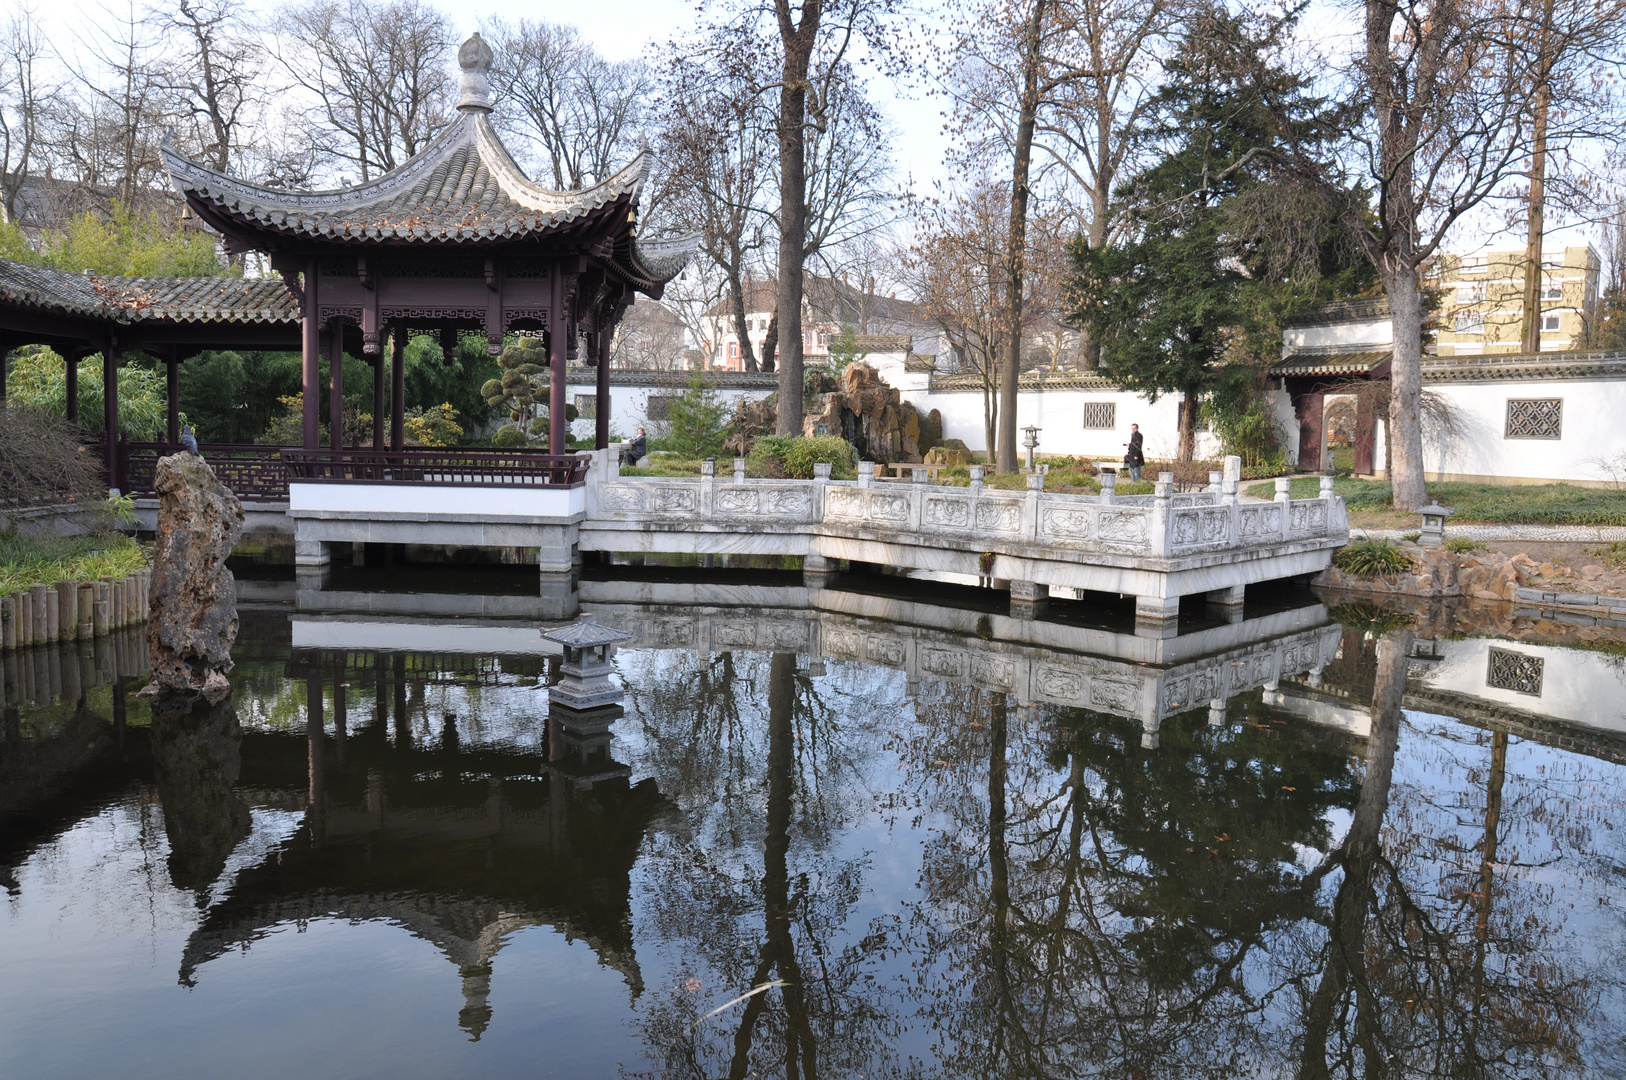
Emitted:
<point x="509" y="436"/>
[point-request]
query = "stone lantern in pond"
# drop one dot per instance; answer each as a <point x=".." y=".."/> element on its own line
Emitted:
<point x="585" y="674"/>
<point x="585" y="702"/>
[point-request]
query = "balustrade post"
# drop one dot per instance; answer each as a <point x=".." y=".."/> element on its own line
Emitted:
<point x="1031" y="507"/>
<point x="1283" y="496"/>
<point x="977" y="473"/>
<point x="612" y="463"/>
<point x="866" y="474"/>
<point x="1215" y="483"/>
<point x="1162" y="494"/>
<point x="1109" y="486"/>
<point x="708" y="484"/>
<point x="739" y="470"/>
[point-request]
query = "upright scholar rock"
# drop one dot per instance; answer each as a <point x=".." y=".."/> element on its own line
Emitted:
<point x="193" y="599"/>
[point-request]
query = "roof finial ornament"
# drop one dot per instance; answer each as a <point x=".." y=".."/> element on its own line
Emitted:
<point x="475" y="59"/>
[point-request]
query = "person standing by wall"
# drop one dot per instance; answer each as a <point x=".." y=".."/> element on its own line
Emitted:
<point x="1135" y="456"/>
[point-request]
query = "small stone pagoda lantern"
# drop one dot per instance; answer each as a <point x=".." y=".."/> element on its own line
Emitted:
<point x="585" y="674"/>
<point x="1030" y="440"/>
<point x="1434" y="516"/>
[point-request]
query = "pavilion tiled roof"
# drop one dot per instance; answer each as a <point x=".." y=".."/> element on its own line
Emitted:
<point x="464" y="186"/>
<point x="143" y="299"/>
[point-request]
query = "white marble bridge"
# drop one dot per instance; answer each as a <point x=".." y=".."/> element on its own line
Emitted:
<point x="1156" y="548"/>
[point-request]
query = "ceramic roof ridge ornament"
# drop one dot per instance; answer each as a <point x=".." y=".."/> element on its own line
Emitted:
<point x="475" y="58"/>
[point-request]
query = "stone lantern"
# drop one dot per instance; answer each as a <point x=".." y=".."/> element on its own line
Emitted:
<point x="585" y="674"/>
<point x="1434" y="516"/>
<point x="1030" y="440"/>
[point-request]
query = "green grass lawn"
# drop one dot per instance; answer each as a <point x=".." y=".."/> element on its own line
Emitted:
<point x="1480" y="504"/>
<point x="45" y="560"/>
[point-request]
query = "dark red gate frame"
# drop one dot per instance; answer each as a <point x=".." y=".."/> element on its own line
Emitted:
<point x="457" y="240"/>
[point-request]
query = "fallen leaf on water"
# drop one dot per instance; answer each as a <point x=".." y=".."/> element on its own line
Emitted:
<point x="1223" y="836"/>
<point x="939" y="762"/>
<point x="1286" y="787"/>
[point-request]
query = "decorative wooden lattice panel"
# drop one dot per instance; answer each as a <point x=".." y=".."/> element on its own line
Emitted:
<point x="1515" y="671"/>
<point x="659" y="406"/>
<point x="1101" y="414"/>
<point x="1535" y="418"/>
<point x="587" y="406"/>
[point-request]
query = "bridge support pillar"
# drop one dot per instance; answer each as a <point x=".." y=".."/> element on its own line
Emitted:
<point x="1157" y="616"/>
<point x="559" y="551"/>
<point x="1029" y="599"/>
<point x="1227" y="602"/>
<point x="817" y="571"/>
<point x="311" y="553"/>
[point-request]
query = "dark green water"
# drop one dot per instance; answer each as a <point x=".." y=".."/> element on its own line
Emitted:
<point x="1416" y="868"/>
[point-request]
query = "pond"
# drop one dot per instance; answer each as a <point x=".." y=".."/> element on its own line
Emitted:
<point x="874" y="829"/>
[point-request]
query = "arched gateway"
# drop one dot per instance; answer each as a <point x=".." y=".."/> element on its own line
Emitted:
<point x="457" y="240"/>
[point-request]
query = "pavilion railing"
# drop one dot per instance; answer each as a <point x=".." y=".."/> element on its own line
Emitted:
<point x="254" y="473"/>
<point x="451" y="466"/>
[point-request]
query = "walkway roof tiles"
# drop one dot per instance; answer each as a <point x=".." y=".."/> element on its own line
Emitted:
<point x="147" y="299"/>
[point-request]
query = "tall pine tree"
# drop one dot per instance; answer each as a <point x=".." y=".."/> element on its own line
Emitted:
<point x="1215" y="246"/>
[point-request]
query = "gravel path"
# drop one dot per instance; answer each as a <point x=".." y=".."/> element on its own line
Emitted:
<point x="1552" y="534"/>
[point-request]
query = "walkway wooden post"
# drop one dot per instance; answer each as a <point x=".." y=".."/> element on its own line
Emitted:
<point x="335" y="385"/>
<point x="397" y="393"/>
<point x="379" y="401"/>
<point x="558" y="322"/>
<point x="601" y="400"/>
<point x="110" y="411"/>
<point x="311" y="342"/>
<point x="71" y="379"/>
<point x="172" y="388"/>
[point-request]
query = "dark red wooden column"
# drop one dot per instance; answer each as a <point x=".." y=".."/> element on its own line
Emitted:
<point x="71" y="379"/>
<point x="311" y="344"/>
<point x="1365" y="433"/>
<point x="1310" y="409"/>
<point x="380" y="403"/>
<point x="110" y="411"/>
<point x="172" y="386"/>
<point x="335" y="385"/>
<point x="601" y="402"/>
<point x="397" y="393"/>
<point x="557" y="351"/>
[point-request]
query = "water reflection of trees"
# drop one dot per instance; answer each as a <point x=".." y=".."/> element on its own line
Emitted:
<point x="1106" y="910"/>
<point x="749" y="889"/>
<point x="1258" y="897"/>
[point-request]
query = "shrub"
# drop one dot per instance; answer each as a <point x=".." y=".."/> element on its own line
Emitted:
<point x="795" y="455"/>
<point x="1371" y="558"/>
<point x="1458" y="545"/>
<point x="436" y="426"/>
<point x="39" y="380"/>
<point x="509" y="436"/>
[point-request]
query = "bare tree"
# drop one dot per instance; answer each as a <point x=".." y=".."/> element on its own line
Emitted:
<point x="219" y="78"/>
<point x="378" y="72"/>
<point x="955" y="268"/>
<point x="716" y="151"/>
<point x="1573" y="50"/>
<point x="554" y="89"/>
<point x="110" y="138"/>
<point x="20" y="106"/>
<point x="1066" y="78"/>
<point x="848" y="169"/>
<point x="1435" y="108"/>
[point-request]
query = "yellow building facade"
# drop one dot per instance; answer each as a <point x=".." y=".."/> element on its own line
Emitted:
<point x="1481" y="300"/>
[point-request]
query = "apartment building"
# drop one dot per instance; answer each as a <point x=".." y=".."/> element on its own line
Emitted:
<point x="1481" y="300"/>
<point x="828" y="305"/>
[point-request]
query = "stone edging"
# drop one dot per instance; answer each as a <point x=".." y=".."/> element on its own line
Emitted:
<point x="1534" y="533"/>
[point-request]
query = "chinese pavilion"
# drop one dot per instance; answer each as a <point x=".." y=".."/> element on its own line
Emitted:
<point x="457" y="240"/>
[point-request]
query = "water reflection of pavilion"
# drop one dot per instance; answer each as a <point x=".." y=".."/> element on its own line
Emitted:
<point x="458" y="845"/>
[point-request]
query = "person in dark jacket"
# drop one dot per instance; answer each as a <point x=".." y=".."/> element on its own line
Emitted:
<point x="1135" y="457"/>
<point x="637" y="449"/>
